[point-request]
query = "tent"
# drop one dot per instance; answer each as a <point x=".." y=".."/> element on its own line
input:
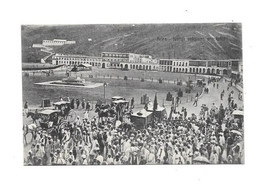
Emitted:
<point x="160" y="112"/>
<point x="141" y="118"/>
<point x="84" y="67"/>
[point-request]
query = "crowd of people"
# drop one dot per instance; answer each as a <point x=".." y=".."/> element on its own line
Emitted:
<point x="212" y="137"/>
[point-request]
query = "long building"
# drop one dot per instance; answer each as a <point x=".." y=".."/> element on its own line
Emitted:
<point x="130" y="61"/>
<point x="134" y="61"/>
<point x="174" y="65"/>
<point x="57" y="42"/>
<point x="71" y="60"/>
<point x="214" y="67"/>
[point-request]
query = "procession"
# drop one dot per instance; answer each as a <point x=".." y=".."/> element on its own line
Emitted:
<point x="107" y="134"/>
<point x="132" y="94"/>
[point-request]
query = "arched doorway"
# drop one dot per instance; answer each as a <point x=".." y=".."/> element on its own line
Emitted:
<point x="177" y="70"/>
<point x="208" y="71"/>
<point x="186" y="70"/>
<point x="140" y="67"/>
<point x="199" y="70"/>
<point x="204" y="70"/>
<point x="126" y="66"/>
<point x="218" y="71"/>
<point x="213" y="71"/>
<point x="146" y="67"/>
<point x="103" y="65"/>
<point x="150" y="68"/>
<point x="174" y="69"/>
<point x="121" y="65"/>
<point x="224" y="72"/>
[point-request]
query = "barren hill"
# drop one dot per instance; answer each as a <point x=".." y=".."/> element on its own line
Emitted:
<point x="195" y="41"/>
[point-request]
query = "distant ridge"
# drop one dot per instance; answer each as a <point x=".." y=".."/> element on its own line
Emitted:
<point x="192" y="41"/>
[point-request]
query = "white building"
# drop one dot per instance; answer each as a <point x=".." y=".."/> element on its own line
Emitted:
<point x="146" y="62"/>
<point x="57" y="42"/>
<point x="215" y="67"/>
<point x="38" y="46"/>
<point x="130" y="61"/>
<point x="174" y="65"/>
<point x="70" y="60"/>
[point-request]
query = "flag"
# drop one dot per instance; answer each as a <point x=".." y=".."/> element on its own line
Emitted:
<point x="155" y="103"/>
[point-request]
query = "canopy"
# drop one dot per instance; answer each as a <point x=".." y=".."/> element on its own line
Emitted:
<point x="201" y="159"/>
<point x="142" y="113"/>
<point x="120" y="101"/>
<point x="61" y="103"/>
<point x="117" y="98"/>
<point x="48" y="112"/>
<point x="238" y="112"/>
<point x="85" y="65"/>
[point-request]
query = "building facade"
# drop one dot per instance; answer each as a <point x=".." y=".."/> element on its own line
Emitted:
<point x="57" y="42"/>
<point x="214" y="67"/>
<point x="174" y="65"/>
<point x="210" y="67"/>
<point x="130" y="61"/>
<point x="134" y="61"/>
<point x="115" y="59"/>
<point x="71" y="60"/>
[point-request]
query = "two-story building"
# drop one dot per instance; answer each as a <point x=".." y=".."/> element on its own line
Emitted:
<point x="130" y="61"/>
<point x="174" y="65"/>
<point x="71" y="60"/>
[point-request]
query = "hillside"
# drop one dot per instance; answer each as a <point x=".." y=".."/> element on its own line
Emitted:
<point x="195" y="41"/>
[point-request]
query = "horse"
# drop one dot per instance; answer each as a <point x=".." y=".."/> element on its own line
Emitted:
<point x="29" y="128"/>
<point x="34" y="116"/>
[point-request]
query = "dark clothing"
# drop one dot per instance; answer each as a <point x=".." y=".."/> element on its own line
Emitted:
<point x="77" y="102"/>
<point x="72" y="104"/>
<point x="185" y="113"/>
<point x="134" y="160"/>
<point x="26" y="105"/>
<point x="87" y="106"/>
<point x="142" y="162"/>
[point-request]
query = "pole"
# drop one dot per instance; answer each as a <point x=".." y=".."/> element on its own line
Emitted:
<point x="105" y="84"/>
<point x="163" y="103"/>
<point x="104" y="91"/>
